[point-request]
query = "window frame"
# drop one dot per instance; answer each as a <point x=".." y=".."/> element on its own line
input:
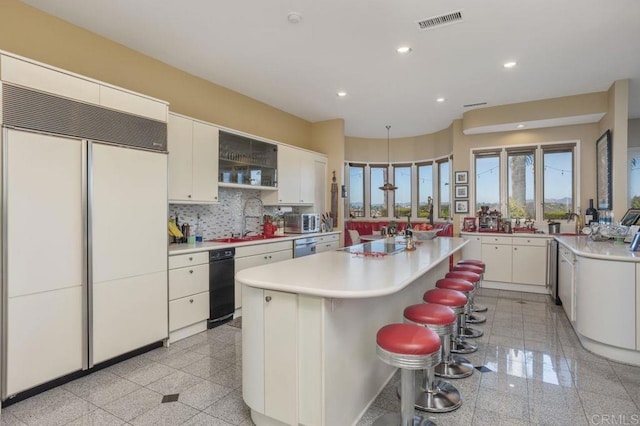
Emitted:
<point x="418" y="186"/>
<point x="439" y="205"/>
<point x="363" y="166"/>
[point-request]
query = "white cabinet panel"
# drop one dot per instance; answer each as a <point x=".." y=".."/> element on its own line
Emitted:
<point x="205" y="162"/>
<point x="44" y="337"/>
<point x="253" y="349"/>
<point x="187" y="281"/>
<point x="188" y="310"/>
<point x="263" y="248"/>
<point x="529" y="264"/>
<point x="129" y="212"/>
<point x="131" y="103"/>
<point x="288" y="175"/>
<point x="266" y="253"/>
<point x="497" y="259"/>
<point x="191" y="259"/>
<point x="128" y="314"/>
<point x="280" y="354"/>
<point x="307" y="177"/>
<point x="180" y="147"/>
<point x="473" y="249"/>
<point x="44" y="213"/>
<point x="48" y="80"/>
<point x="566" y="282"/>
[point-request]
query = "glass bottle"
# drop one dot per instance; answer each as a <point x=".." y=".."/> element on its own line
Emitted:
<point x="591" y="214"/>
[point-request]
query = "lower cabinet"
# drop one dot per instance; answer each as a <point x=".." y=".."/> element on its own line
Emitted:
<point x="328" y="243"/>
<point x="497" y="257"/>
<point x="188" y="294"/>
<point x="529" y="261"/>
<point x="566" y="282"/>
<point x="258" y="255"/>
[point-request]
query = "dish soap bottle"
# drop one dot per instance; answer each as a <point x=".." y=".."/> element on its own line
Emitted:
<point x="198" y="230"/>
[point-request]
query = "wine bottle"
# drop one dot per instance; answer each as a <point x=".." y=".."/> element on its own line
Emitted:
<point x="591" y="214"/>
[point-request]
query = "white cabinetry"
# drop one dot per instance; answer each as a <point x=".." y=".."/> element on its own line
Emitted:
<point x="328" y="243"/>
<point x="473" y="249"/>
<point x="193" y="160"/>
<point x="566" y="282"/>
<point x="497" y="256"/>
<point x="296" y="178"/>
<point x="258" y="255"/>
<point x="188" y="294"/>
<point x="529" y="261"/>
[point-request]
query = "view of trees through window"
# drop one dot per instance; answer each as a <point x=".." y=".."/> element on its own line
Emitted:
<point x="356" y="187"/>
<point x="402" y="195"/>
<point x="444" y="188"/>
<point x="633" y="179"/>
<point x="521" y="186"/>
<point x="558" y="183"/>
<point x="487" y="170"/>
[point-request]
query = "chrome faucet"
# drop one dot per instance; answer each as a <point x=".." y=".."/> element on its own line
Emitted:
<point x="245" y="232"/>
<point x="579" y="221"/>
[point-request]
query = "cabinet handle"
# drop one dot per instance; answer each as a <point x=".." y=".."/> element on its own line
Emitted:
<point x="495" y="247"/>
<point x="189" y="195"/>
<point x="190" y="300"/>
<point x="191" y="258"/>
<point x="268" y="298"/>
<point x="269" y="257"/>
<point x="215" y="198"/>
<point x="528" y="241"/>
<point x="265" y="258"/>
<point x="191" y="271"/>
<point x="515" y="249"/>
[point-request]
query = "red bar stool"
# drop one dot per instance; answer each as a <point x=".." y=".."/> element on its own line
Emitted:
<point x="472" y="318"/>
<point x="468" y="289"/>
<point x="456" y="301"/>
<point x="408" y="347"/>
<point x="479" y="268"/>
<point x="435" y="395"/>
<point x="474" y="278"/>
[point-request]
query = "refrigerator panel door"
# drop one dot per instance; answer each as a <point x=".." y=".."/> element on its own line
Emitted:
<point x="129" y="212"/>
<point x="44" y="213"/>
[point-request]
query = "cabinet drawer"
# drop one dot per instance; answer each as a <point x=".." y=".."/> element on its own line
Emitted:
<point x="496" y="240"/>
<point x="566" y="253"/>
<point x="188" y="310"/>
<point x="321" y="247"/>
<point x="183" y="260"/>
<point x="327" y="238"/>
<point x="522" y="241"/>
<point x="187" y="281"/>
<point x="263" y="248"/>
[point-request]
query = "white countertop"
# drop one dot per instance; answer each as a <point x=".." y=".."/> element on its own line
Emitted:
<point x="175" y="249"/>
<point x="504" y="234"/>
<point x="606" y="250"/>
<point x="342" y="275"/>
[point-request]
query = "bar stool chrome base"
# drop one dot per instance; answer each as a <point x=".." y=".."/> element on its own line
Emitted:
<point x="478" y="308"/>
<point x="476" y="319"/>
<point x="457" y="369"/>
<point x="445" y="398"/>
<point x="463" y="347"/>
<point x="394" y="419"/>
<point x="471" y="332"/>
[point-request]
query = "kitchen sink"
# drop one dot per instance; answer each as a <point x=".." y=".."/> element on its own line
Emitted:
<point x="244" y="239"/>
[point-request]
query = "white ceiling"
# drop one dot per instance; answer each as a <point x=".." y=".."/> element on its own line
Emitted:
<point x="562" y="48"/>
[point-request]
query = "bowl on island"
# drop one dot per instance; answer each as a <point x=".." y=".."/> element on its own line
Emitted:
<point x="425" y="235"/>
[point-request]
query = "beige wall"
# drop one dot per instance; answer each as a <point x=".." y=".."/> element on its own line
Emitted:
<point x="423" y="147"/>
<point x="31" y="33"/>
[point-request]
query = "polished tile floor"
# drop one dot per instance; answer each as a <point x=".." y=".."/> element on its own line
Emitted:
<point x="539" y="374"/>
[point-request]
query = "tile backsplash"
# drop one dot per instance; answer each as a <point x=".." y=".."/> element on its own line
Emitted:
<point x="225" y="218"/>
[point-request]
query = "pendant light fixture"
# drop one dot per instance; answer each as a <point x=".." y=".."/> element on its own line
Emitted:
<point x="388" y="186"/>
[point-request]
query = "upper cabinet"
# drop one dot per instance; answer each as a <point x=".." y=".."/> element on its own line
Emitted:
<point x="296" y="178"/>
<point x="245" y="161"/>
<point x="193" y="160"/>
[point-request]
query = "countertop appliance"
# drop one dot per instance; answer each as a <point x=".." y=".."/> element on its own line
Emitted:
<point x="301" y="223"/>
<point x="552" y="270"/>
<point x="304" y="246"/>
<point x="221" y="286"/>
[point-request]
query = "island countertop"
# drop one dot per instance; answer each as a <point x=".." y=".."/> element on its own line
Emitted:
<point x="343" y="275"/>
<point x="605" y="250"/>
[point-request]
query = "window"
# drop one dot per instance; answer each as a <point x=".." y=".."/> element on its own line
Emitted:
<point x="487" y="185"/>
<point x="558" y="182"/>
<point x="520" y="184"/>
<point x="402" y="195"/>
<point x="425" y="188"/>
<point x="356" y="190"/>
<point x="378" y="197"/>
<point x="444" y="210"/>
<point x="633" y="178"/>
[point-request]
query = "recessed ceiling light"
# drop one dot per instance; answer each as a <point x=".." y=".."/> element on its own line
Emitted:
<point x="440" y="100"/>
<point x="341" y="94"/>
<point x="521" y="126"/>
<point x="510" y="64"/>
<point x="403" y="49"/>
<point x="294" y="17"/>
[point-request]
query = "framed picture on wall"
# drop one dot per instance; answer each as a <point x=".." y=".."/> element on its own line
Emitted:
<point x="461" y="177"/>
<point x="462" y="191"/>
<point x="461" y="206"/>
<point x="603" y="171"/>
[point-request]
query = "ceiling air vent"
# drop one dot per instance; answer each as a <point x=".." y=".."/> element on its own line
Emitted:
<point x="473" y="105"/>
<point x="440" y="20"/>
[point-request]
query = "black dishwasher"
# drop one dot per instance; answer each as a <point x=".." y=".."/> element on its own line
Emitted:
<point x="221" y="286"/>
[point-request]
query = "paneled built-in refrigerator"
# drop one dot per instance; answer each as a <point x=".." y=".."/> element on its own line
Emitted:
<point x="84" y="253"/>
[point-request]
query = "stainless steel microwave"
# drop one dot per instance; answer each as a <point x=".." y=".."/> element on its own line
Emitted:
<point x="301" y="223"/>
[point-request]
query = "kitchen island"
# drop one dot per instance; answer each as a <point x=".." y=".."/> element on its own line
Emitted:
<point x="599" y="285"/>
<point x="309" y="327"/>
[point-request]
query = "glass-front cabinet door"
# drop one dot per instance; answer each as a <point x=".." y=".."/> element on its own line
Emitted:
<point x="246" y="161"/>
